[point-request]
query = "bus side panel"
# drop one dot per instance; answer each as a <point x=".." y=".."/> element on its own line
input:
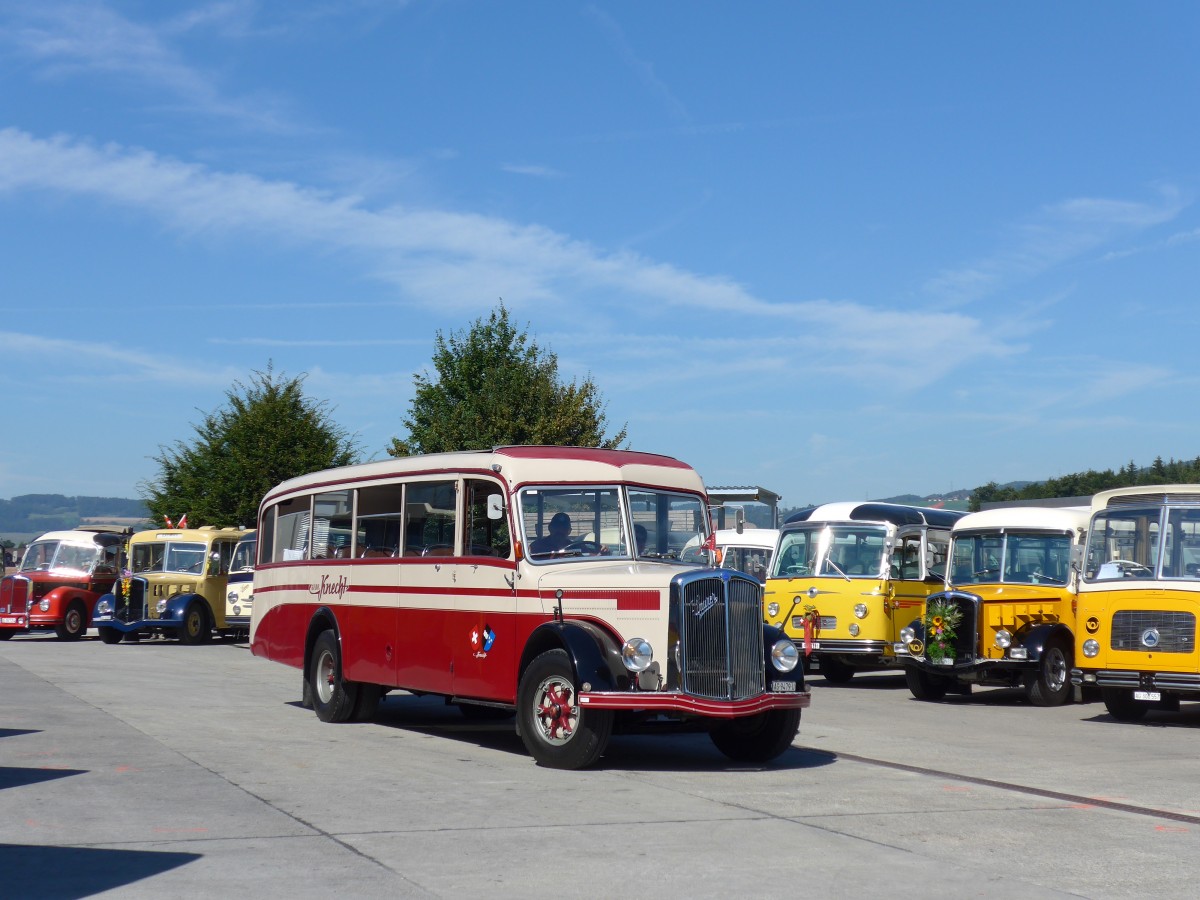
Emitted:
<point x="368" y="643"/>
<point x="279" y="633"/>
<point x="422" y="657"/>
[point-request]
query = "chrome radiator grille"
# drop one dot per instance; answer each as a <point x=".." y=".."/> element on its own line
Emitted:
<point x="719" y="622"/>
<point x="1160" y="631"/>
<point x="131" y="607"/>
<point x="15" y="595"/>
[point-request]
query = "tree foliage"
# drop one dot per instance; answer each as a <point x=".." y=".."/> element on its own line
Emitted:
<point x="496" y="386"/>
<point x="267" y="431"/>
<point x="1091" y="481"/>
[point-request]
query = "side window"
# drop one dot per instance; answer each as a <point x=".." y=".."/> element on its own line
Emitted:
<point x="377" y="529"/>
<point x="429" y="517"/>
<point x="220" y="557"/>
<point x="333" y="525"/>
<point x="909" y="554"/>
<point x="292" y="528"/>
<point x="939" y="553"/>
<point x="484" y="536"/>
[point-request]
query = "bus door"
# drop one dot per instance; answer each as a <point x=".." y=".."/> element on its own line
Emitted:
<point x="485" y="635"/>
<point x="907" y="585"/>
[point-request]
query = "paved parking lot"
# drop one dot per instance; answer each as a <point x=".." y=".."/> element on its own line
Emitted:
<point x="155" y="770"/>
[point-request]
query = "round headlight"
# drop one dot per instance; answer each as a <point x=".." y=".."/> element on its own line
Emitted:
<point x="231" y="596"/>
<point x="853" y="629"/>
<point x="907" y="634"/>
<point x="772" y="609"/>
<point x="161" y="607"/>
<point x="104" y="608"/>
<point x="637" y="654"/>
<point x="44" y="606"/>
<point x="1003" y="639"/>
<point x="860" y="610"/>
<point x="1091" y="647"/>
<point x="784" y="656"/>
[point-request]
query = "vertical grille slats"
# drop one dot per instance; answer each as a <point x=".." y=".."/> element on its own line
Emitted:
<point x="1176" y="631"/>
<point x="720" y="632"/>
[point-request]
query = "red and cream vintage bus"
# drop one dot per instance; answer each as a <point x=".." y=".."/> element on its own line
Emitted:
<point x="545" y="581"/>
<point x="59" y="579"/>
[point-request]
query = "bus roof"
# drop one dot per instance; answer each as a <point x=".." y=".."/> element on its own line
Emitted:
<point x="1057" y="518"/>
<point x="1147" y="494"/>
<point x="82" y="538"/>
<point x="894" y="513"/>
<point x="205" y="533"/>
<point x="517" y="466"/>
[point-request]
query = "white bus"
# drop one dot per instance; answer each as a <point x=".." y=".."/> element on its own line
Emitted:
<point x="545" y="581"/>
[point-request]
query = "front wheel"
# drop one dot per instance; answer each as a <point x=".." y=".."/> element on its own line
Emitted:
<point x="1050" y="685"/>
<point x="195" y="628"/>
<point x="6" y="634"/>
<point x="333" y="698"/>
<point x="109" y="635"/>
<point x="74" y="623"/>
<point x="924" y="686"/>
<point x="757" y="739"/>
<point x="555" y="731"/>
<point x="1121" y="705"/>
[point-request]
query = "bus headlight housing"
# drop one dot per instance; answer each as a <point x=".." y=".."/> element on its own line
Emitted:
<point x="772" y="609"/>
<point x="1091" y="648"/>
<point x="784" y="656"/>
<point x="1003" y="638"/>
<point x="104" y="608"/>
<point x="853" y="629"/>
<point x="44" y="606"/>
<point x="907" y="634"/>
<point x="637" y="654"/>
<point x="161" y="606"/>
<point x="860" y="610"/>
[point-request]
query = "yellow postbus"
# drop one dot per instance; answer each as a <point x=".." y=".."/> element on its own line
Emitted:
<point x="1007" y="616"/>
<point x="176" y="586"/>
<point x="1139" y="599"/>
<point x="847" y="577"/>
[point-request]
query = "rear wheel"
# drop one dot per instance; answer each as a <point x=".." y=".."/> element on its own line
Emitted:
<point x="1050" y="685"/>
<point x="757" y="738"/>
<point x="74" y="623"/>
<point x="835" y="670"/>
<point x="109" y="635"/>
<point x="924" y="686"/>
<point x="195" y="628"/>
<point x="1121" y="705"/>
<point x="556" y="731"/>
<point x="333" y="698"/>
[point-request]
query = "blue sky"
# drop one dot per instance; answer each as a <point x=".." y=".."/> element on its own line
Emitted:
<point x="841" y="250"/>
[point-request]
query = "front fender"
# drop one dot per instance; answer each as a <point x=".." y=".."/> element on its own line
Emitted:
<point x="771" y="635"/>
<point x="176" y="606"/>
<point x="59" y="599"/>
<point x="1038" y="637"/>
<point x="593" y="652"/>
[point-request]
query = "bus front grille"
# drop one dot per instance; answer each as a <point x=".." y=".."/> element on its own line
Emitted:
<point x="1159" y="631"/>
<point x="719" y="626"/>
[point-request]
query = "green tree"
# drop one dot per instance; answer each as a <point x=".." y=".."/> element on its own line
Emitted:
<point x="496" y="386"/>
<point x="267" y="431"/>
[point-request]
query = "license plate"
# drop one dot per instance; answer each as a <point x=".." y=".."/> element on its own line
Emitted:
<point x="783" y="687"/>
<point x="1147" y="695"/>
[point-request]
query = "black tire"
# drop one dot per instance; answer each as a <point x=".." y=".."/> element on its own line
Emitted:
<point x="109" y="635"/>
<point x="195" y="627"/>
<point x="555" y="730"/>
<point x="367" y="703"/>
<point x="1121" y="705"/>
<point x="6" y="633"/>
<point x="1050" y="684"/>
<point x="757" y="739"/>
<point x="333" y="698"/>
<point x="924" y="686"/>
<point x="835" y="671"/>
<point x="74" y="624"/>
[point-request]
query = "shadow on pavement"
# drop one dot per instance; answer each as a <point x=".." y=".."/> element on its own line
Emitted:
<point x="13" y="776"/>
<point x="60" y="873"/>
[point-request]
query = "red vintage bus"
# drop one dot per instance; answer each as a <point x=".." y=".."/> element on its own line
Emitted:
<point x="60" y="578"/>
<point x="540" y="581"/>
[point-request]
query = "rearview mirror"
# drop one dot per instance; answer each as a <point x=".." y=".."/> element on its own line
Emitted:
<point x="495" y="507"/>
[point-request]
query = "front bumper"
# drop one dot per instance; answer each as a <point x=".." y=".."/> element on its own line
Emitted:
<point x="1175" y="682"/>
<point x="685" y="704"/>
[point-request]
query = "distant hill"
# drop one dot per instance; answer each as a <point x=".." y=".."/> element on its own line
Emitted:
<point x="33" y="514"/>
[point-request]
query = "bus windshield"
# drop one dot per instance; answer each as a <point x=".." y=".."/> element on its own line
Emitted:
<point x="45" y="556"/>
<point x="1011" y="557"/>
<point x="184" y="557"/>
<point x="589" y="521"/>
<point x="838" y="550"/>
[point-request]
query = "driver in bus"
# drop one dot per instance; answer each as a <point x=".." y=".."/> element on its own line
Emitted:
<point x="557" y="539"/>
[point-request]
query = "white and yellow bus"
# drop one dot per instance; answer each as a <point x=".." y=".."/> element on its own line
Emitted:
<point x="541" y="581"/>
<point x="1007" y="616"/>
<point x="1140" y="598"/>
<point x="847" y="577"/>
